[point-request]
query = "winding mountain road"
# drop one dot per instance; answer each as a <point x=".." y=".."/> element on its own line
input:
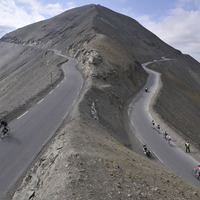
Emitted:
<point x="32" y="130"/>
<point x="169" y="154"/>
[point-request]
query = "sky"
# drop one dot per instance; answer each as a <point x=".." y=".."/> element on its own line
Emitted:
<point x="176" y="22"/>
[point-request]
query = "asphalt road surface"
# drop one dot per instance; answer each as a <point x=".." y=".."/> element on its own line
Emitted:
<point x="31" y="131"/>
<point x="168" y="154"/>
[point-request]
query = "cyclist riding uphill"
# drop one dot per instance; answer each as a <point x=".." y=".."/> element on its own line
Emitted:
<point x="145" y="150"/>
<point x="4" y="128"/>
<point x="3" y="123"/>
<point x="196" y="171"/>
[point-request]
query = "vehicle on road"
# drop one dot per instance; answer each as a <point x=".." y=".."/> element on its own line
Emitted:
<point x="146" y="89"/>
<point x="146" y="151"/>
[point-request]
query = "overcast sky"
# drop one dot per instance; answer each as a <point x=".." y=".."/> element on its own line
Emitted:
<point x="176" y="22"/>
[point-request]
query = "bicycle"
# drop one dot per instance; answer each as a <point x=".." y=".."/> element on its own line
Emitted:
<point x="196" y="173"/>
<point x="169" y="140"/>
<point x="5" y="132"/>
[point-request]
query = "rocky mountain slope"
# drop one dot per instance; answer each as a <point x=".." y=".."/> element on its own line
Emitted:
<point x="89" y="158"/>
<point x="22" y="68"/>
<point x="180" y="96"/>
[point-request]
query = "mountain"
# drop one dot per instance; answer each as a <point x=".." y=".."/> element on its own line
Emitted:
<point x="90" y="158"/>
<point x="74" y="28"/>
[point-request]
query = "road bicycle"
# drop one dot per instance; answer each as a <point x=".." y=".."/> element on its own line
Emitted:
<point x="5" y="132"/>
<point x="196" y="173"/>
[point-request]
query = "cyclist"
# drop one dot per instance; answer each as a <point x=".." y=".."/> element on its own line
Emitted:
<point x="5" y="130"/>
<point x="196" y="171"/>
<point x="169" y="139"/>
<point x="3" y="123"/>
<point x="144" y="148"/>
<point x="165" y="134"/>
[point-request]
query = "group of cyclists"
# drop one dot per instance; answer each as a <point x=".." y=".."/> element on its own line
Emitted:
<point x="4" y="128"/>
<point x="196" y="170"/>
<point x="166" y="136"/>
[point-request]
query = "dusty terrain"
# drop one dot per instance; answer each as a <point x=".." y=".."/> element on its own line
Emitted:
<point x="90" y="156"/>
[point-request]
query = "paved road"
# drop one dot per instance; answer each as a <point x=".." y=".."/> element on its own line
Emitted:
<point x="170" y="155"/>
<point x="31" y="131"/>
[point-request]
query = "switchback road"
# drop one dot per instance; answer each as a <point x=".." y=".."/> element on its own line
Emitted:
<point x="32" y="130"/>
<point x="168" y="154"/>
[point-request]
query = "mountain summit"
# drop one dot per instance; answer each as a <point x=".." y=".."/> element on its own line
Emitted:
<point x="79" y="25"/>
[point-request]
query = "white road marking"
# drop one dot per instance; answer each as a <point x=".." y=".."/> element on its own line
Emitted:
<point x="158" y="157"/>
<point x="65" y="115"/>
<point x="77" y="94"/>
<point x="139" y="137"/>
<point x="129" y="111"/>
<point x="22" y="115"/>
<point x="58" y="85"/>
<point x="40" y="101"/>
<point x="51" y="92"/>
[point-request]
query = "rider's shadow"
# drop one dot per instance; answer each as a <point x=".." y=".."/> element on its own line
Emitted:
<point x="11" y="139"/>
